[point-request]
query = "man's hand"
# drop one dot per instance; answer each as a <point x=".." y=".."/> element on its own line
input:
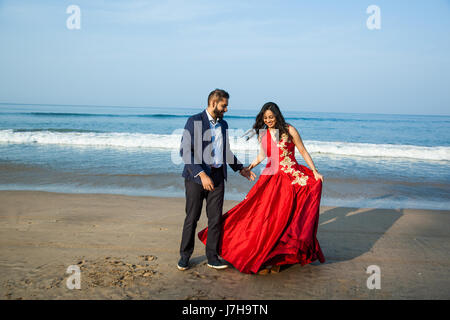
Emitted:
<point x="206" y="182"/>
<point x="246" y="172"/>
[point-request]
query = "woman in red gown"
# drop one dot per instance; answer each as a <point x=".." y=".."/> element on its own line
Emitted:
<point x="277" y="221"/>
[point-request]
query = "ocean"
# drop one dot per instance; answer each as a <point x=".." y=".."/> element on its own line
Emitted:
<point x="367" y="160"/>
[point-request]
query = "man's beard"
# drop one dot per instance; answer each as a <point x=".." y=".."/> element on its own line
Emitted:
<point x="218" y="114"/>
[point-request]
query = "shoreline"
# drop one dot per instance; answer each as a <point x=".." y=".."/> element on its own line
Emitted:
<point x="118" y="193"/>
<point x="127" y="248"/>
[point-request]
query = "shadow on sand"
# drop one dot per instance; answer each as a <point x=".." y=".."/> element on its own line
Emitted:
<point x="345" y="233"/>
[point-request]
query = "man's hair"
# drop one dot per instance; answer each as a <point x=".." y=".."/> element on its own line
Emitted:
<point x="217" y="95"/>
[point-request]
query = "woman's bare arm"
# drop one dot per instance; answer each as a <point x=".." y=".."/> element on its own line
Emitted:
<point x="260" y="157"/>
<point x="301" y="147"/>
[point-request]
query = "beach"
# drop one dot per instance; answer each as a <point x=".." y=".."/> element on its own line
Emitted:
<point x="127" y="247"/>
<point x="101" y="104"/>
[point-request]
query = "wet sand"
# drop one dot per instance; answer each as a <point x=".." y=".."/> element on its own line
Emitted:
<point x="127" y="248"/>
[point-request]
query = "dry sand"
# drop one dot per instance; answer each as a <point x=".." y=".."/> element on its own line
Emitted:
<point x="127" y="248"/>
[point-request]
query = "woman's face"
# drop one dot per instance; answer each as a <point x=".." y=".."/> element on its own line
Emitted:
<point x="269" y="119"/>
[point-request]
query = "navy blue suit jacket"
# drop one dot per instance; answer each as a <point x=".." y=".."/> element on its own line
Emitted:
<point x="194" y="162"/>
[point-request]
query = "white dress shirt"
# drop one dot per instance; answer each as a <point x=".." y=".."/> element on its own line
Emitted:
<point x="217" y="140"/>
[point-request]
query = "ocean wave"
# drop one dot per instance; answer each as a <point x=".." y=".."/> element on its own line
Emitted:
<point x="54" y="130"/>
<point x="112" y="115"/>
<point x="238" y="144"/>
<point x="63" y="114"/>
<point x="164" y="115"/>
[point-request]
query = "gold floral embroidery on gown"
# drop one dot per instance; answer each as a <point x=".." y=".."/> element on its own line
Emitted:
<point x="288" y="161"/>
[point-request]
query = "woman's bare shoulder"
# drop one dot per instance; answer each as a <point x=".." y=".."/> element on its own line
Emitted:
<point x="291" y="128"/>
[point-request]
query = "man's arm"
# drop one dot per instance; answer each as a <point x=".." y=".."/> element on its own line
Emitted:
<point x="191" y="157"/>
<point x="231" y="159"/>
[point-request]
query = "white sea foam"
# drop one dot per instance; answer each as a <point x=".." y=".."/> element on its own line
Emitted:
<point x="238" y="144"/>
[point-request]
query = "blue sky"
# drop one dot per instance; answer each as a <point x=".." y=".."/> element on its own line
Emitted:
<point x="303" y="55"/>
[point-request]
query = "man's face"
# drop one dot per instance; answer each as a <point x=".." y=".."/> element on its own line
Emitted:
<point x="220" y="107"/>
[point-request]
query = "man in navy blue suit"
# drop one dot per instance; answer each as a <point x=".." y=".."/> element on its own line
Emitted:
<point x="205" y="150"/>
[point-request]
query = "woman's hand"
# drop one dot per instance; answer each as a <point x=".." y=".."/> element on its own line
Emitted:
<point x="317" y="175"/>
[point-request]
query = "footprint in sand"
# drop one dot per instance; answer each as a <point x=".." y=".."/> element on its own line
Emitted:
<point x="148" y="257"/>
<point x="115" y="272"/>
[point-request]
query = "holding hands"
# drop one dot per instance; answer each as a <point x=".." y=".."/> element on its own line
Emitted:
<point x="208" y="184"/>
<point x="246" y="172"/>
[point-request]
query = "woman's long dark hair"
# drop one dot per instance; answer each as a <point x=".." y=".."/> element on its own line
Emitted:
<point x="280" y="124"/>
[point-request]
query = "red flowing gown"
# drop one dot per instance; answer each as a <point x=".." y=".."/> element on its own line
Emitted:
<point x="277" y="221"/>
